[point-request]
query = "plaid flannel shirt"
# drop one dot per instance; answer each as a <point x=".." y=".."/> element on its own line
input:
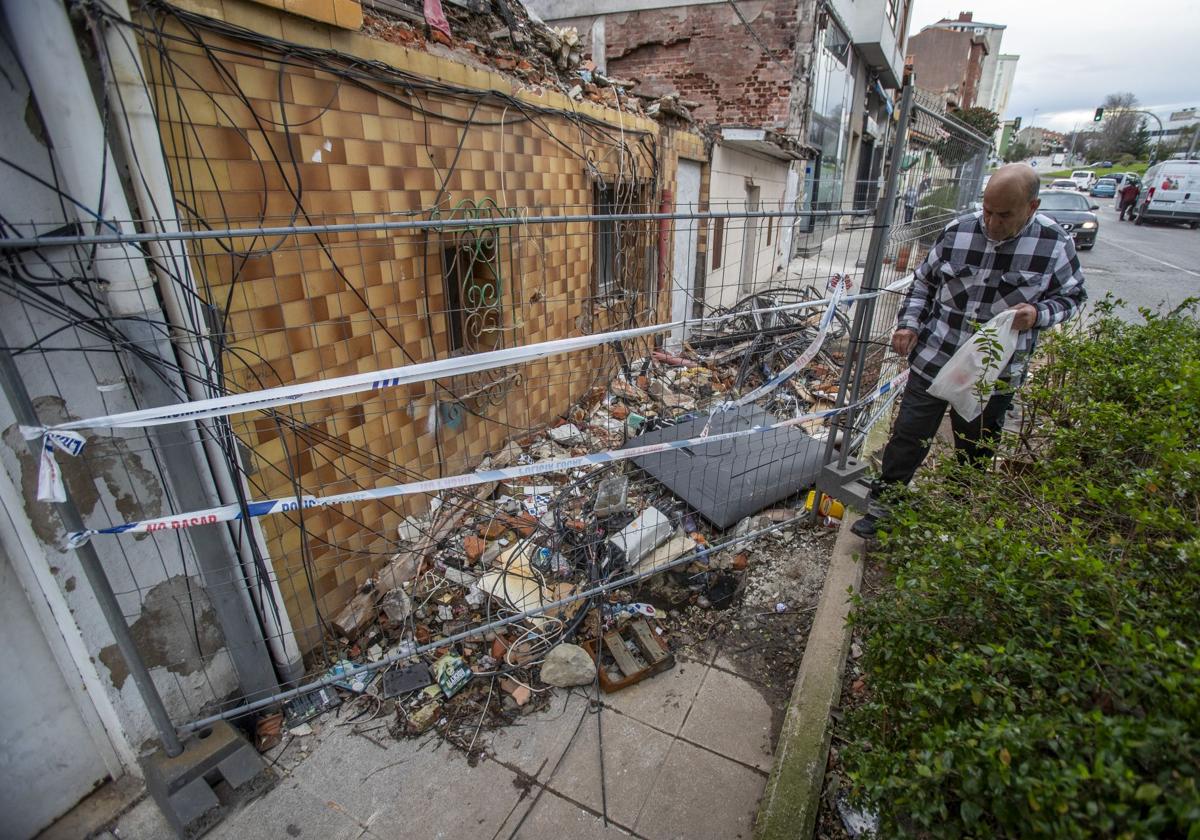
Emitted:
<point x="967" y="279"/>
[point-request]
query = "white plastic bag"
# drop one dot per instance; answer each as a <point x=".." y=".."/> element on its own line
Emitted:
<point x="967" y="380"/>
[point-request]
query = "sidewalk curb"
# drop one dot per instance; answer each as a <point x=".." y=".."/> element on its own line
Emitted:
<point x="789" y="805"/>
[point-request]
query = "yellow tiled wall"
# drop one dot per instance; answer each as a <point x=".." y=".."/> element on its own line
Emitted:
<point x="246" y="136"/>
<point x="347" y="14"/>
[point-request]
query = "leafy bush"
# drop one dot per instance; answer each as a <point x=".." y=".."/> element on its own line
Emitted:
<point x="1034" y="666"/>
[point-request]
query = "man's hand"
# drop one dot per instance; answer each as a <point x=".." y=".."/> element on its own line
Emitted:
<point x="903" y="340"/>
<point x="1026" y="317"/>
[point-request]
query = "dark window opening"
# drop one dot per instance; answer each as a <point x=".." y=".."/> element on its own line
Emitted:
<point x="718" y="231"/>
<point x="474" y="307"/>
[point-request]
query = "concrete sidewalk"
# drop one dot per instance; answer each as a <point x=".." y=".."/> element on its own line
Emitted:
<point x="685" y="755"/>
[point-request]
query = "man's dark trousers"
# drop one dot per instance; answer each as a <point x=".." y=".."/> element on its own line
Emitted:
<point x="920" y="416"/>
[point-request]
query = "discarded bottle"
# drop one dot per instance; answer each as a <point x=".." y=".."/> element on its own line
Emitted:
<point x="829" y="506"/>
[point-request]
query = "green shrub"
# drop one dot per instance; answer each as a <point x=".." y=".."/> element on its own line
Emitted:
<point x="1034" y="667"/>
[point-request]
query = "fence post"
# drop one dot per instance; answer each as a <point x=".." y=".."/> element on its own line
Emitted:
<point x="18" y="397"/>
<point x="860" y="333"/>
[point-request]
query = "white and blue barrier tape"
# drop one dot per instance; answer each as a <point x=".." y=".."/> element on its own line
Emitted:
<point x="232" y="513"/>
<point x="65" y="436"/>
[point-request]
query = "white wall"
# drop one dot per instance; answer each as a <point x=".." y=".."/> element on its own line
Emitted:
<point x="116" y="478"/>
<point x="731" y="170"/>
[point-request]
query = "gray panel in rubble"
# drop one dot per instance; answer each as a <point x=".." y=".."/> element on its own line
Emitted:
<point x="727" y="481"/>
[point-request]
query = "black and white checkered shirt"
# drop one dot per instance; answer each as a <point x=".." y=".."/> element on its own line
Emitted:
<point x="967" y="279"/>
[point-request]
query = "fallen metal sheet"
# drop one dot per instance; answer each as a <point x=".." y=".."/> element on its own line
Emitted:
<point x="728" y="481"/>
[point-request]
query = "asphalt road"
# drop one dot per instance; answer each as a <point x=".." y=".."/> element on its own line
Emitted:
<point x="1148" y="266"/>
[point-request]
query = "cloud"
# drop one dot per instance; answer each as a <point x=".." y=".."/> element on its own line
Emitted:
<point x="1074" y="53"/>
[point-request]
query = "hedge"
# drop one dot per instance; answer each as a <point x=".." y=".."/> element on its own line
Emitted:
<point x="1033" y="666"/>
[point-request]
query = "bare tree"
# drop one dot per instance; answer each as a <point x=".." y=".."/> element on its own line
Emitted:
<point x="1120" y="125"/>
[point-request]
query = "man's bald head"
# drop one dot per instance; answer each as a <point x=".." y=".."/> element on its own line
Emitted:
<point x="1009" y="201"/>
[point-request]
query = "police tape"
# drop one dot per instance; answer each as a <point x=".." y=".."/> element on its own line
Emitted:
<point x="268" y="507"/>
<point x="65" y="437"/>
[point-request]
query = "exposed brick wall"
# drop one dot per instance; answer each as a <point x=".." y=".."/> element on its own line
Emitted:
<point x="941" y="58"/>
<point x="706" y="54"/>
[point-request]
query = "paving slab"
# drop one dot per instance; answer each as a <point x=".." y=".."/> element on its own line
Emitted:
<point x="535" y="743"/>
<point x="365" y="779"/>
<point x="633" y="756"/>
<point x="554" y="817"/>
<point x="142" y="822"/>
<point x="700" y="796"/>
<point x="287" y="811"/>
<point x="662" y="701"/>
<point x="458" y="801"/>
<point x="732" y="718"/>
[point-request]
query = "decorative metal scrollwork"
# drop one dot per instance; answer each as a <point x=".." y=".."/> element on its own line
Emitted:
<point x="473" y="258"/>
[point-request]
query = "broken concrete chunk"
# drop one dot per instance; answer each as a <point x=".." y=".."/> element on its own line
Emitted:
<point x="568" y="665"/>
<point x="641" y="536"/>
<point x="357" y="615"/>
<point x="566" y="434"/>
<point x="396" y="606"/>
<point x="399" y="570"/>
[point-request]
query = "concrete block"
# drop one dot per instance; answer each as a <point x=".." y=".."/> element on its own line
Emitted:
<point x="187" y="788"/>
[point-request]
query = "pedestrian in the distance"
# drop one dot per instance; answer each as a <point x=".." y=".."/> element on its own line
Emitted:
<point x="1002" y="257"/>
<point x="1129" y="194"/>
<point x="910" y="204"/>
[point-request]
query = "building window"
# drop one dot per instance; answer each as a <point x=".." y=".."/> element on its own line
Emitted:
<point x="891" y="8"/>
<point x="474" y="303"/>
<point x="718" y="231"/>
<point x="606" y="272"/>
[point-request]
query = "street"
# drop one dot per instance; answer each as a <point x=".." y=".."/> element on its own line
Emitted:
<point x="1145" y="266"/>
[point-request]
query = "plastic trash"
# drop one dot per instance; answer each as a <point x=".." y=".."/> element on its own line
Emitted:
<point x="968" y="379"/>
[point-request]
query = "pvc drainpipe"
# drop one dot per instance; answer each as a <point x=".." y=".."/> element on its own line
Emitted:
<point x="140" y="136"/>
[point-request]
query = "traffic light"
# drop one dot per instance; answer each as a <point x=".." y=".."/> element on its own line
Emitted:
<point x="1017" y="124"/>
<point x="1099" y="115"/>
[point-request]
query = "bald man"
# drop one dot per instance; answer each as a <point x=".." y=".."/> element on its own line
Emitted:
<point x="1006" y="256"/>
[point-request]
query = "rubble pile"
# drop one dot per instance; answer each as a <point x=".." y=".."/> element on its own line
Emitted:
<point x="504" y="36"/>
<point x="514" y="575"/>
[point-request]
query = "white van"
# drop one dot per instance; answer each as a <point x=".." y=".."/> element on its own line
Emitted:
<point x="1170" y="192"/>
<point x="1083" y="178"/>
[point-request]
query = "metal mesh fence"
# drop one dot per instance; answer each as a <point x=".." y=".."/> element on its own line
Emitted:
<point x="377" y="574"/>
<point x="554" y="402"/>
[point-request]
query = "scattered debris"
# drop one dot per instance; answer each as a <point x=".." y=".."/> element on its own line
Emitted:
<point x="630" y="654"/>
<point x="719" y="546"/>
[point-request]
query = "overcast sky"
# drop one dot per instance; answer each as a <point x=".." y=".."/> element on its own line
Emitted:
<point x="1074" y="52"/>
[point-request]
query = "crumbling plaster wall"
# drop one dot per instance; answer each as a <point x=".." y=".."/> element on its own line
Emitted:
<point x="114" y="479"/>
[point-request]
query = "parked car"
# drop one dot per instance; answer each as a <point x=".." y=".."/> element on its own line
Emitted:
<point x="1170" y="193"/>
<point x="1104" y="188"/>
<point x="1104" y="164"/>
<point x="1062" y="184"/>
<point x="1083" y="178"/>
<point x="1074" y="214"/>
